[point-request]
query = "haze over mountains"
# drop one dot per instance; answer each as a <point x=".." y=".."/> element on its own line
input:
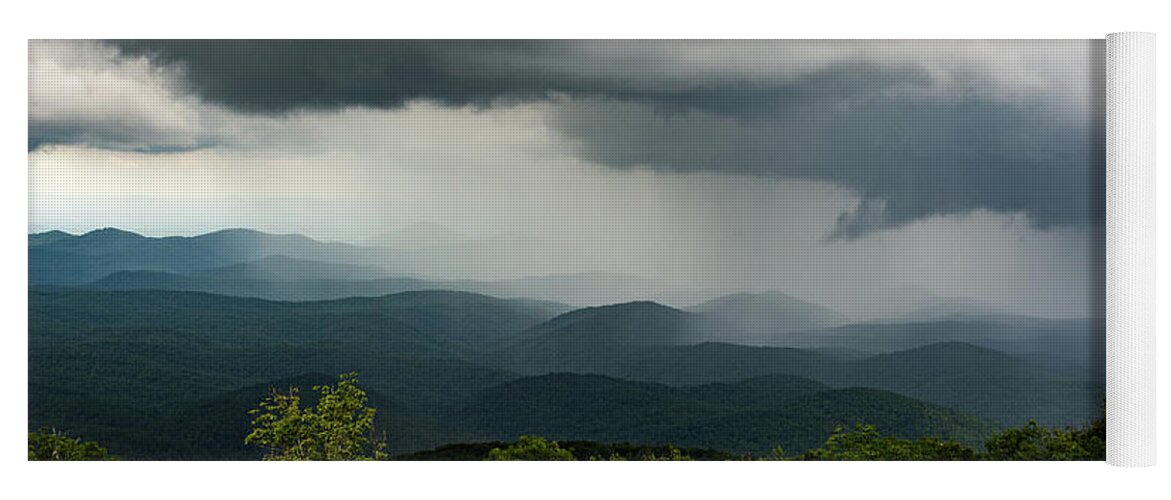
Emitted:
<point x="60" y="259"/>
<point x="131" y="336"/>
<point x="766" y="318"/>
<point x="251" y="263"/>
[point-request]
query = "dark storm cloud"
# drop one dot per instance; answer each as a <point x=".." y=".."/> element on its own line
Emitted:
<point x="274" y="76"/>
<point x="909" y="158"/>
<point x="910" y="143"/>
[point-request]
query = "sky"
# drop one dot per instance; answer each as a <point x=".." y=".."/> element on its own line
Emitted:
<point x="855" y="173"/>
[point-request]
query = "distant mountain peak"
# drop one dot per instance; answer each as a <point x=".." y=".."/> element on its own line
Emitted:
<point x="951" y="349"/>
<point x="641" y="309"/>
<point x="765" y="297"/>
<point x="604" y="329"/>
<point x="111" y="231"/>
<point x="99" y="253"/>
<point x="762" y="317"/>
<point x="253" y="234"/>
<point x="47" y="237"/>
<point x="637" y="306"/>
<point x="236" y="231"/>
<point x="52" y="232"/>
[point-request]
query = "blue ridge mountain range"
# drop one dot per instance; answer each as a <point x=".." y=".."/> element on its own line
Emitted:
<point x="131" y="338"/>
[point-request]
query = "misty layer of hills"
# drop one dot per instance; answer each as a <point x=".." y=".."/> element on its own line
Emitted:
<point x="158" y="347"/>
<point x="249" y="263"/>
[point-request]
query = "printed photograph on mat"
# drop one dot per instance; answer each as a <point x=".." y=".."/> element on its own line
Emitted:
<point x="566" y="250"/>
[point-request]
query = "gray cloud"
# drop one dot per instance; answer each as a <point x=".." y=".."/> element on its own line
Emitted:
<point x="907" y="157"/>
<point x="276" y="76"/>
<point x="916" y="129"/>
<point x="82" y="92"/>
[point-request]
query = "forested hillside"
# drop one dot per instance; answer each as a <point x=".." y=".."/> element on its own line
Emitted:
<point x="154" y="374"/>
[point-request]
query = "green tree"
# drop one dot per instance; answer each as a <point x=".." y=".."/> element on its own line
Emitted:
<point x="672" y="454"/>
<point x="1033" y="442"/>
<point x="531" y="448"/>
<point x="1092" y="438"/>
<point x="51" y="444"/>
<point x="865" y="443"/>
<point x="340" y="427"/>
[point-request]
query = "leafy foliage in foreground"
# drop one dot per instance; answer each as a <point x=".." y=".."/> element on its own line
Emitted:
<point x="531" y="448"/>
<point x="51" y="444"/>
<point x="865" y="443"/>
<point x="747" y="417"/>
<point x="341" y="427"/>
<point x="862" y="443"/>
<point x="581" y="450"/>
<point x="1033" y="442"/>
<point x="1029" y="442"/>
